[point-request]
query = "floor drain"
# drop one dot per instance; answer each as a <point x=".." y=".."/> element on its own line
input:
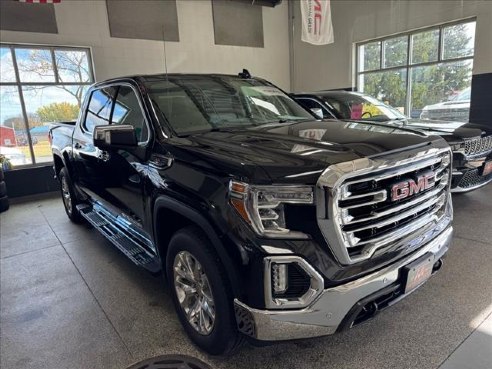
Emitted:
<point x="170" y="362"/>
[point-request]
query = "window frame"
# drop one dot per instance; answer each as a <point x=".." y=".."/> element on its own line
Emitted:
<point x="83" y="125"/>
<point x="140" y="104"/>
<point x="20" y="84"/>
<point x="321" y="105"/>
<point x="409" y="66"/>
<point x="84" y="109"/>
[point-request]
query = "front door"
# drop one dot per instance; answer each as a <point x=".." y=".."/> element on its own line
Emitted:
<point x="126" y="168"/>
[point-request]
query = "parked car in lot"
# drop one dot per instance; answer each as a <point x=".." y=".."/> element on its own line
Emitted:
<point x="265" y="222"/>
<point x="471" y="143"/>
<point x="15" y="156"/>
<point x="456" y="109"/>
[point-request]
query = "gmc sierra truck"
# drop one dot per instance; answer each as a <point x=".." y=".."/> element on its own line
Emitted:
<point x="265" y="222"/>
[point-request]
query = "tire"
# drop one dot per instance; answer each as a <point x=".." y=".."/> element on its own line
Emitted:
<point x="223" y="337"/>
<point x="68" y="196"/>
<point x="4" y="204"/>
<point x="3" y="189"/>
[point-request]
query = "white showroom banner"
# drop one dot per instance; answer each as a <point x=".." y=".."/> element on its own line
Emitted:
<point x="317" y="28"/>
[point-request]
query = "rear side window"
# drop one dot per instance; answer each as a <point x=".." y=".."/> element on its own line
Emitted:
<point x="99" y="109"/>
<point x="313" y="104"/>
<point x="127" y="111"/>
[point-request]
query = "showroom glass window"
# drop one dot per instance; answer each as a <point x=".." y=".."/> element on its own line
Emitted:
<point x="39" y="85"/>
<point x="421" y="69"/>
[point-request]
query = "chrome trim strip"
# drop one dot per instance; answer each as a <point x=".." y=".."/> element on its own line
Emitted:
<point x="348" y="196"/>
<point x="418" y="200"/>
<point x="326" y="313"/>
<point x="391" y="173"/>
<point x="396" y="218"/>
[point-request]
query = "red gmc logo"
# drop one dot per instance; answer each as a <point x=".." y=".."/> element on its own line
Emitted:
<point x="409" y="187"/>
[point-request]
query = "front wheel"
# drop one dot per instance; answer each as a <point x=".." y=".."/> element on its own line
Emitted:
<point x="201" y="292"/>
<point x="68" y="196"/>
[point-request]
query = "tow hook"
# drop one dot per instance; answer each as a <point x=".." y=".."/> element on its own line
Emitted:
<point x="437" y="265"/>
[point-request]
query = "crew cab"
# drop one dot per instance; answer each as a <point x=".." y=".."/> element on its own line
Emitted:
<point x="265" y="222"/>
<point x="471" y="143"/>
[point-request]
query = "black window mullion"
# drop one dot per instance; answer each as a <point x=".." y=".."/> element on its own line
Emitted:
<point x="55" y="67"/>
<point x="408" y="99"/>
<point x="440" y="48"/>
<point x="23" y="106"/>
<point x="381" y="54"/>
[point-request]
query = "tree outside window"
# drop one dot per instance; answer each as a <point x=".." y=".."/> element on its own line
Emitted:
<point x="418" y="69"/>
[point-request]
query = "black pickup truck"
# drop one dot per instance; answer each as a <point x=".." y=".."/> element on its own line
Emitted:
<point x="265" y="223"/>
<point x="471" y="143"/>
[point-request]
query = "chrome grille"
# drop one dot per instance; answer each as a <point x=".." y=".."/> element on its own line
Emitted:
<point x="366" y="218"/>
<point x="478" y="146"/>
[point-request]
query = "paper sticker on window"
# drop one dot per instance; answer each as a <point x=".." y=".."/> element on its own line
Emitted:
<point x="267" y="90"/>
<point x="356" y="111"/>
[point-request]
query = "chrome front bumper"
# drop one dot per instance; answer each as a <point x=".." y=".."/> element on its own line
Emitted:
<point x="327" y="312"/>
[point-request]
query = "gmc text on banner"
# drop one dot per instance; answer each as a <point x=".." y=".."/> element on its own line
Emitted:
<point x="317" y="28"/>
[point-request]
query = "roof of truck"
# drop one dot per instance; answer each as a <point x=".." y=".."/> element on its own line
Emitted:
<point x="162" y="76"/>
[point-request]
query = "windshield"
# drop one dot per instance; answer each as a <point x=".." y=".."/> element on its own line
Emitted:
<point x="361" y="107"/>
<point x="204" y="103"/>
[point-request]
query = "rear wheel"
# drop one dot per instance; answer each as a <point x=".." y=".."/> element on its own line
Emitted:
<point x="68" y="196"/>
<point x="201" y="292"/>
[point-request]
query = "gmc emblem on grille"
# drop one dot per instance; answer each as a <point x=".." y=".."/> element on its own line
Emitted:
<point x="409" y="187"/>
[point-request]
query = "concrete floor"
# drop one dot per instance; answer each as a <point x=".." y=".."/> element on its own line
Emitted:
<point x="71" y="300"/>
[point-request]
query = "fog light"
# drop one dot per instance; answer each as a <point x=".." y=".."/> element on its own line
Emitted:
<point x="280" y="278"/>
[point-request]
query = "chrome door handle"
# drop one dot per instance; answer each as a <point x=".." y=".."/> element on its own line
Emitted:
<point x="160" y="162"/>
<point x="103" y="155"/>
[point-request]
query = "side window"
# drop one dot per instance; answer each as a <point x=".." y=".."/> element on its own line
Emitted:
<point x="99" y="109"/>
<point x="314" y="107"/>
<point x="127" y="111"/>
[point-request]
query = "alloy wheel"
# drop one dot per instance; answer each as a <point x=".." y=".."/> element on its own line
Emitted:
<point x="67" y="198"/>
<point x="194" y="293"/>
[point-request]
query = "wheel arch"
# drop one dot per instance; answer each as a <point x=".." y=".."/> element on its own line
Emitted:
<point x="176" y="216"/>
<point x="58" y="163"/>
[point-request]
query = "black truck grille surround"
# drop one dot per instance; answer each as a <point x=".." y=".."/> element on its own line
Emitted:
<point x="369" y="216"/>
<point x="478" y="146"/>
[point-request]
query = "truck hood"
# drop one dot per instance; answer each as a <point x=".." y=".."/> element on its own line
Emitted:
<point x="295" y="152"/>
<point x="449" y="130"/>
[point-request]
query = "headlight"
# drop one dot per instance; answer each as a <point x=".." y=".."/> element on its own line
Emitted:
<point x="263" y="206"/>
<point x="424" y="114"/>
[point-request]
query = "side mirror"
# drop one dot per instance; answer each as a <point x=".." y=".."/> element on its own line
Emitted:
<point x="114" y="137"/>
<point x="318" y="112"/>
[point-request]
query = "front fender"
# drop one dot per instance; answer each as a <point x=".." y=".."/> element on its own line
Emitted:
<point x="229" y="256"/>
